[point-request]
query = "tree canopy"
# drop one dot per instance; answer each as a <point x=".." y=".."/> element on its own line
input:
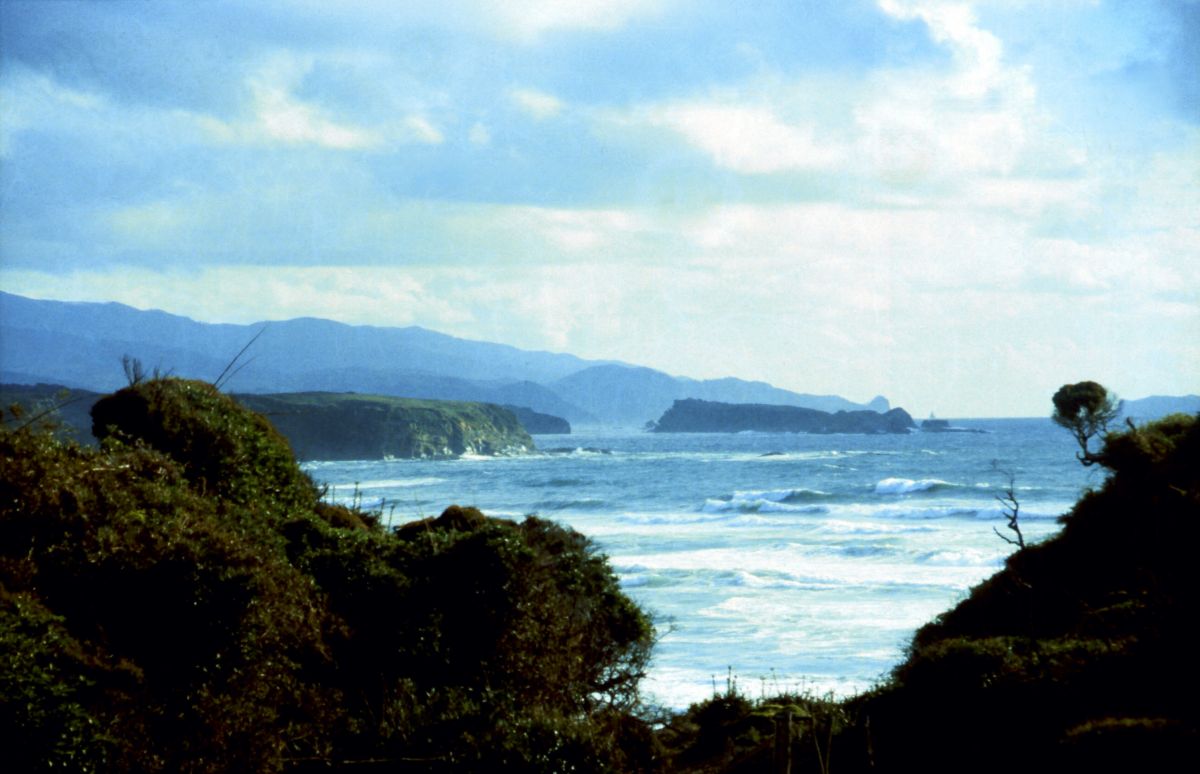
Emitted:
<point x="1086" y="409"/>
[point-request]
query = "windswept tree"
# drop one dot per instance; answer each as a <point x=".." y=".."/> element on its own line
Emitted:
<point x="1086" y="409"/>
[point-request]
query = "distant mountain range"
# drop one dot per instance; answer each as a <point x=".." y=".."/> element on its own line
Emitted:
<point x="1155" y="406"/>
<point x="82" y="344"/>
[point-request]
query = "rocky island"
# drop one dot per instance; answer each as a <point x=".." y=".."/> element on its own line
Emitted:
<point x="702" y="416"/>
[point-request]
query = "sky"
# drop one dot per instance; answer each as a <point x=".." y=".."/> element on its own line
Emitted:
<point x="961" y="206"/>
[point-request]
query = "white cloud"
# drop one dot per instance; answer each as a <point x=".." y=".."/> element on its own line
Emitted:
<point x="536" y="103"/>
<point x="980" y="118"/>
<point x="585" y="230"/>
<point x="747" y="139"/>
<point x="421" y="130"/>
<point x="278" y="116"/>
<point x="33" y="100"/>
<point x="925" y="129"/>
<point x="281" y="117"/>
<point x="531" y="20"/>
<point x="978" y="52"/>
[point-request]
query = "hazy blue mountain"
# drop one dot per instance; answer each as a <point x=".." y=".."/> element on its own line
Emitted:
<point x="620" y="394"/>
<point x="414" y="384"/>
<point x="40" y="334"/>
<point x="538" y="397"/>
<point x="537" y="423"/>
<point x="1155" y="406"/>
<point x="730" y="390"/>
<point x="81" y="345"/>
<point x="632" y="395"/>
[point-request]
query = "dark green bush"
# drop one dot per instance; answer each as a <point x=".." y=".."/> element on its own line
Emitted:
<point x="181" y="600"/>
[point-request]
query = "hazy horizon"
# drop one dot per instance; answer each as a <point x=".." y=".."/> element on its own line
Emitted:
<point x="960" y="206"/>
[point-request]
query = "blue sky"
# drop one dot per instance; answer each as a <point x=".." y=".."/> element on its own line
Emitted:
<point x="961" y="206"/>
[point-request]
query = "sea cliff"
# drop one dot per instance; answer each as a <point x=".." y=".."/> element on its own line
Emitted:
<point x="702" y="416"/>
<point x="346" y="426"/>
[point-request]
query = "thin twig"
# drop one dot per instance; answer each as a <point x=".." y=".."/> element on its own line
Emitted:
<point x="220" y="379"/>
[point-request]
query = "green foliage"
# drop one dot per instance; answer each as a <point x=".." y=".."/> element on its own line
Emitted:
<point x="732" y="733"/>
<point x="1085" y="409"/>
<point x="181" y="600"/>
<point x="45" y="685"/>
<point x="1158" y="449"/>
<point x="224" y="449"/>
<point x="192" y="623"/>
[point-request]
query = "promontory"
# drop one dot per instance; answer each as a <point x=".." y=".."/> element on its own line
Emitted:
<point x="347" y="426"/>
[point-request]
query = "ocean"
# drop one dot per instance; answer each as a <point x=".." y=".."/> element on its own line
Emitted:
<point x="782" y="561"/>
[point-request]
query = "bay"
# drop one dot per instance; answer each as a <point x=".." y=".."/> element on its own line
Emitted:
<point x="784" y="561"/>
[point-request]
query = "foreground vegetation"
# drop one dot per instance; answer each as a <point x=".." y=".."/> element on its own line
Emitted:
<point x="181" y="599"/>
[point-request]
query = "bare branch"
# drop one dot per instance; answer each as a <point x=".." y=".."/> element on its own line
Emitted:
<point x="135" y="372"/>
<point x="1011" y="507"/>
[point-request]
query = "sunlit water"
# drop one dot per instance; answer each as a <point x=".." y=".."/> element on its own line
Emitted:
<point x="796" y="561"/>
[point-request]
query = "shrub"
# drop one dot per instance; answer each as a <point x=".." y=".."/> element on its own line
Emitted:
<point x="181" y="600"/>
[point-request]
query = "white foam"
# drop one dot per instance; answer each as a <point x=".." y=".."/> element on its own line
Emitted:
<point x="764" y="505"/>
<point x="399" y="483"/>
<point x="780" y="495"/>
<point x="891" y="486"/>
<point x="965" y="557"/>
<point x="797" y="564"/>
<point x="841" y="527"/>
<point x="674" y="517"/>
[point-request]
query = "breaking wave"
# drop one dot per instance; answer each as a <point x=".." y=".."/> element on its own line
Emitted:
<point x="895" y="486"/>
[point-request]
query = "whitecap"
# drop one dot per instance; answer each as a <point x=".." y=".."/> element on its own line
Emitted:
<point x="841" y="527"/>
<point x="399" y="483"/>
<point x="758" y="506"/>
<point x="891" y="486"/>
<point x="964" y="557"/>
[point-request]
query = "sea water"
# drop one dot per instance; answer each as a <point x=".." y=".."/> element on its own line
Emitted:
<point x="789" y="561"/>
